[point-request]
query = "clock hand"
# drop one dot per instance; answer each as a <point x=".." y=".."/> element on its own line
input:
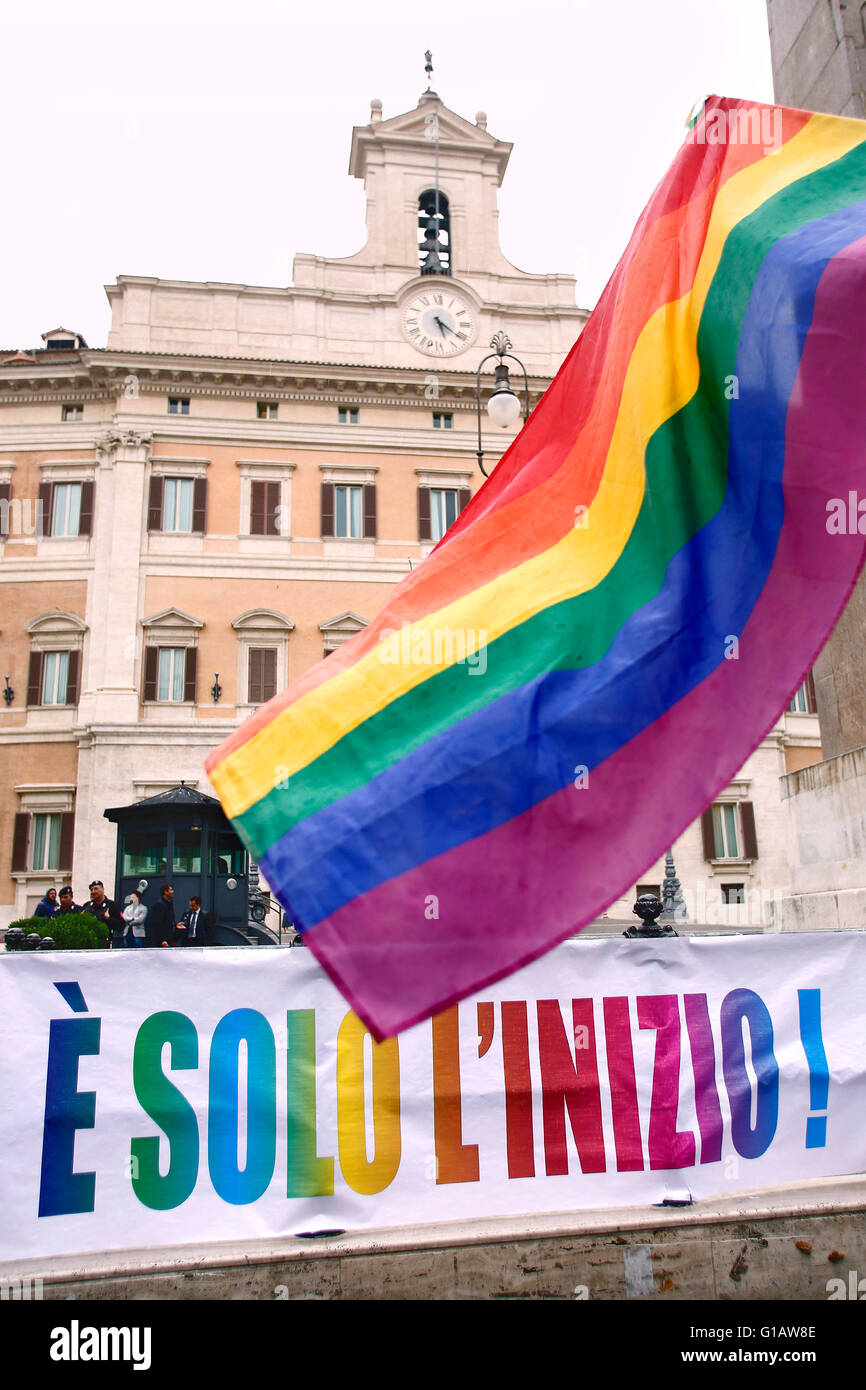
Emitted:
<point x="443" y="326"/>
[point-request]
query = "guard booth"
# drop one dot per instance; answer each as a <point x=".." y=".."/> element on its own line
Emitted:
<point x="183" y="837"/>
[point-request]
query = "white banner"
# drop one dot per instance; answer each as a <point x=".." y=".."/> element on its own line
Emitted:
<point x="160" y="1098"/>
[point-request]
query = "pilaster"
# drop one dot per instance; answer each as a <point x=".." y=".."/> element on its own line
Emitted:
<point x="110" y="684"/>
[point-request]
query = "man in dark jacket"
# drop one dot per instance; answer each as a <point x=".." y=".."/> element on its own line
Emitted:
<point x="160" y="920"/>
<point x="195" y="928"/>
<point x="106" y="911"/>
<point x="67" y="903"/>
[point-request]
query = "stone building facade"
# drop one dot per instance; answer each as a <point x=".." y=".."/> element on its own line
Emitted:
<point x="200" y="510"/>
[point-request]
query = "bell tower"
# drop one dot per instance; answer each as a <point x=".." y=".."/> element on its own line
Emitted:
<point x="403" y="162"/>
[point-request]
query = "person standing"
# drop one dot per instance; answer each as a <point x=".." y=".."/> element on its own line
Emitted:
<point x="160" y="922"/>
<point x="67" y="902"/>
<point x="135" y="916"/>
<point x="49" y="906"/>
<point x="195" y="929"/>
<point x="106" y="911"/>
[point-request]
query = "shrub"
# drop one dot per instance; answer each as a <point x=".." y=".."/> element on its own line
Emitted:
<point x="70" y="931"/>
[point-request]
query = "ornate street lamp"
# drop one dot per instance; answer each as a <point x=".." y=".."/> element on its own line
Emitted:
<point x="503" y="406"/>
<point x="674" y="909"/>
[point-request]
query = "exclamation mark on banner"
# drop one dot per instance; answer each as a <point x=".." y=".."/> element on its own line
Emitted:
<point x="819" y="1072"/>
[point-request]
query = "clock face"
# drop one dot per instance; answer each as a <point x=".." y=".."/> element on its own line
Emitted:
<point x="438" y="321"/>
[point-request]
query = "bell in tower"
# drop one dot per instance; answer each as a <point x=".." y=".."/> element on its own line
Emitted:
<point x="434" y="249"/>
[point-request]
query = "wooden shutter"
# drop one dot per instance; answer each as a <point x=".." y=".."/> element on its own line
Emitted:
<point x="72" y="679"/>
<point x="189" y="674"/>
<point x="272" y="508"/>
<point x="370" y="511"/>
<point x="67" y="831"/>
<point x="20" y="836"/>
<point x="708" y="833"/>
<point x="269" y="673"/>
<point x="199" y="506"/>
<point x="34" y="679"/>
<point x="425" y="528"/>
<point x="5" y="499"/>
<point x="464" y="496"/>
<point x="750" y="839"/>
<point x="262" y="675"/>
<point x="154" y="505"/>
<point x="254" y="690"/>
<point x="328" y="509"/>
<point x="151" y="666"/>
<point x="85" y="520"/>
<point x="45" y="499"/>
<point x="257" y="509"/>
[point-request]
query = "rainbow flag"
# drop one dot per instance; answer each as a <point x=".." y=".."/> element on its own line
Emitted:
<point x="617" y="618"/>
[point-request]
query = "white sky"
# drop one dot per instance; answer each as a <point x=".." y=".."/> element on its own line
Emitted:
<point x="203" y="141"/>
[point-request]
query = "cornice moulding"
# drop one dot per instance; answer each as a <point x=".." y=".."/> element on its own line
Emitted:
<point x="285" y="464"/>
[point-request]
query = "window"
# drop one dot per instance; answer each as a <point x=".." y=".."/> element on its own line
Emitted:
<point x="53" y="678"/>
<point x="186" y="855"/>
<point x="443" y="510"/>
<point x="442" y="420"/>
<point x="262" y="681"/>
<point x="349" y="507"/>
<point x="55" y="672"/>
<point x="66" y="508"/>
<point x="170" y="657"/>
<point x="728" y="830"/>
<point x="733" y="893"/>
<point x="725" y="832"/>
<point x="177" y="504"/>
<point x="144" y="852"/>
<point x="42" y="840"/>
<point x="45" y="842"/>
<point x="804" y="700"/>
<point x="266" y="410"/>
<point x="227" y="856"/>
<point x="439" y="505"/>
<point x="72" y="412"/>
<point x="347" y="521"/>
<point x="262" y="653"/>
<point x="265" y="512"/>
<point x="347" y="416"/>
<point x="171" y="670"/>
<point x="169" y="674"/>
<point x="178" y="405"/>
